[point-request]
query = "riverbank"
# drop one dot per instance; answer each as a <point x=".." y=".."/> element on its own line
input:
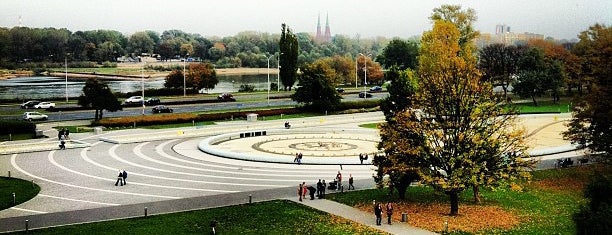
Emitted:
<point x="127" y="71"/>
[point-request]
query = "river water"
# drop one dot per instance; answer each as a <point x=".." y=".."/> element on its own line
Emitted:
<point x="26" y="88"/>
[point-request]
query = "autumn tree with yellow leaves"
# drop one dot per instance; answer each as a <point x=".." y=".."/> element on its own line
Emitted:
<point x="456" y="135"/>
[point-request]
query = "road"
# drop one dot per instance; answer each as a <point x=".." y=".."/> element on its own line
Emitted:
<point x="242" y="102"/>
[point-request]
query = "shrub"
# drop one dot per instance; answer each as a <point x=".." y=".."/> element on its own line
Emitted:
<point x="16" y="127"/>
<point x="246" y="88"/>
<point x="594" y="218"/>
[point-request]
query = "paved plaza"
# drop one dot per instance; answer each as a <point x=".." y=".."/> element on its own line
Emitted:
<point x="168" y="172"/>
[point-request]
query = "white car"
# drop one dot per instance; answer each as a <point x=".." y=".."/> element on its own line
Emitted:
<point x="134" y="100"/>
<point x="45" y="105"/>
<point x="31" y="116"/>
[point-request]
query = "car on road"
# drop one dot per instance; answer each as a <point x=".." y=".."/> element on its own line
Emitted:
<point x="29" y="104"/>
<point x="134" y="100"/>
<point x="45" y="105"/>
<point x="31" y="116"/>
<point x="376" y="89"/>
<point x="161" y="109"/>
<point x="226" y="97"/>
<point x="152" y="101"/>
<point x="340" y="89"/>
<point x="364" y="94"/>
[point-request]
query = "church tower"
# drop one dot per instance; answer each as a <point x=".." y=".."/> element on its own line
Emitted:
<point x="327" y="31"/>
<point x="319" y="37"/>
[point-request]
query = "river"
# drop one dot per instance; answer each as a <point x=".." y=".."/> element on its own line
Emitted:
<point x="26" y="88"/>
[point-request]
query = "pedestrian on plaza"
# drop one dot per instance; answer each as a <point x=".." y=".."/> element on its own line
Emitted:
<point x="124" y="176"/>
<point x="119" y="178"/>
<point x="339" y="180"/>
<point x="361" y="158"/>
<point x="300" y="192"/>
<point x="296" y="157"/>
<point x="299" y="158"/>
<point x="311" y="191"/>
<point x="389" y="210"/>
<point x="304" y="190"/>
<point x="62" y="144"/>
<point x="67" y="134"/>
<point x="319" y="189"/>
<point x="378" y="212"/>
<point x="60" y="133"/>
<point x="351" y="186"/>
<point x="323" y="191"/>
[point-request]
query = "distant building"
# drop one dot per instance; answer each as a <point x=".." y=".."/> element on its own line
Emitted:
<point x="322" y="38"/>
<point x="504" y="36"/>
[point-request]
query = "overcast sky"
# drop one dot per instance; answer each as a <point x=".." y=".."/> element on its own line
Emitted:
<point x="561" y="19"/>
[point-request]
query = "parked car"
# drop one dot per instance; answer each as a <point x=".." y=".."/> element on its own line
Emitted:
<point x="152" y="101"/>
<point x="161" y="109"/>
<point x="45" y="105"/>
<point x="31" y="116"/>
<point x="340" y="89"/>
<point x="134" y="100"/>
<point x="29" y="104"/>
<point x="375" y="89"/>
<point x="225" y="97"/>
<point x="364" y="94"/>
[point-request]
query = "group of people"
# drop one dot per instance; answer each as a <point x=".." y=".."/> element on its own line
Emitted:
<point x="338" y="181"/>
<point x="298" y="158"/>
<point x="304" y="189"/>
<point x="121" y="178"/>
<point x="62" y="136"/>
<point x="363" y="157"/>
<point x="378" y="210"/>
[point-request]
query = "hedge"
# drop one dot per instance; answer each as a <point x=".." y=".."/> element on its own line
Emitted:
<point x="16" y="127"/>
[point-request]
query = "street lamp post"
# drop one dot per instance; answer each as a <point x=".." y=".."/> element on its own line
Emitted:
<point x="365" y="74"/>
<point x="184" y="74"/>
<point x="356" y="68"/>
<point x="142" y="83"/>
<point x="278" y="75"/>
<point x="268" y="57"/>
<point x="66" y="73"/>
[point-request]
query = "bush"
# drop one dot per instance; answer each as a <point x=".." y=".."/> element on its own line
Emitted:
<point x="157" y="92"/>
<point x="16" y="127"/>
<point x="594" y="218"/>
<point x="246" y="88"/>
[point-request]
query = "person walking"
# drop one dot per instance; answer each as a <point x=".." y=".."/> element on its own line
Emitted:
<point x="124" y="176"/>
<point x="319" y="189"/>
<point x="304" y="190"/>
<point x="119" y="178"/>
<point x="311" y="191"/>
<point x="351" y="186"/>
<point x="339" y="180"/>
<point x="361" y="158"/>
<point x="62" y="144"/>
<point x="389" y="210"/>
<point x="67" y="134"/>
<point x="300" y="191"/>
<point x="324" y="188"/>
<point x="378" y="212"/>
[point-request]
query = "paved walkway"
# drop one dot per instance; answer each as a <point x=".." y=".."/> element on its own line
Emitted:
<point x="161" y="188"/>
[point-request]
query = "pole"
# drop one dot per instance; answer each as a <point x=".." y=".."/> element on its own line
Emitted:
<point x="184" y="80"/>
<point x="278" y="75"/>
<point x="66" y="73"/>
<point x="269" y="80"/>
<point x="356" y="70"/>
<point x="142" y="84"/>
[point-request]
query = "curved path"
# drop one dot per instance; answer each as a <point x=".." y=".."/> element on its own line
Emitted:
<point x="168" y="174"/>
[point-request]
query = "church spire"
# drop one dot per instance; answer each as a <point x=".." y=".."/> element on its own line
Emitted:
<point x="319" y="37"/>
<point x="327" y="31"/>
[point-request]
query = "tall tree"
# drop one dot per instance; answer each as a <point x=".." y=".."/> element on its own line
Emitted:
<point x="174" y="79"/>
<point x="591" y="125"/>
<point x="463" y="19"/>
<point x="536" y="75"/>
<point x="499" y="64"/>
<point x="316" y="89"/>
<point x="98" y="95"/>
<point x="141" y="42"/>
<point x="374" y="71"/>
<point x="454" y="133"/>
<point x="289" y="49"/>
<point x="400" y="53"/>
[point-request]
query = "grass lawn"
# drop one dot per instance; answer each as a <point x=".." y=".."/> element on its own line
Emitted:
<point x="24" y="191"/>
<point x="370" y="125"/>
<point x="274" y="217"/>
<point x="563" y="106"/>
<point x="543" y="206"/>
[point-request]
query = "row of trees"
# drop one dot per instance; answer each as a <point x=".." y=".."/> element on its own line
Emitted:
<point x="246" y="49"/>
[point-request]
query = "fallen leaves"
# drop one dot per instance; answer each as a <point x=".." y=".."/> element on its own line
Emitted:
<point x="471" y="218"/>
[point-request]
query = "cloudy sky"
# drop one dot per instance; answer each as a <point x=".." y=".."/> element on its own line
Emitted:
<point x="561" y="19"/>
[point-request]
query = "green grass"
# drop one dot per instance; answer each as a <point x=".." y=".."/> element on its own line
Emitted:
<point x="370" y="125"/>
<point x="274" y="217"/>
<point x="75" y="129"/>
<point x="177" y="125"/>
<point x="24" y="191"/>
<point x="562" y="106"/>
<point x="542" y="210"/>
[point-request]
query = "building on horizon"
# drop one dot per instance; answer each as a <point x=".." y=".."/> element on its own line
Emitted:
<point x="504" y="36"/>
<point x="320" y="37"/>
